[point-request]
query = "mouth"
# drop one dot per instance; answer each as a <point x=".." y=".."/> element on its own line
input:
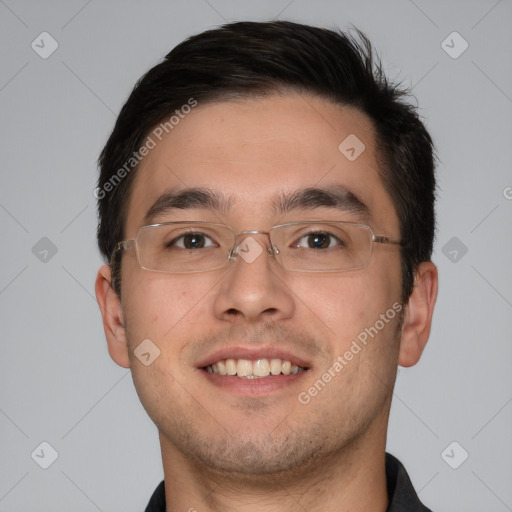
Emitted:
<point x="254" y="369"/>
<point x="253" y="372"/>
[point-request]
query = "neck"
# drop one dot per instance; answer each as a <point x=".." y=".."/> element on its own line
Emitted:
<point x="351" y="479"/>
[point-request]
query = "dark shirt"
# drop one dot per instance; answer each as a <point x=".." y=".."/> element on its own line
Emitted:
<point x="402" y="496"/>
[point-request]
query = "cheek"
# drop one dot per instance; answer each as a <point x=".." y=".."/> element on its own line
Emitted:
<point x="344" y="305"/>
<point x="160" y="307"/>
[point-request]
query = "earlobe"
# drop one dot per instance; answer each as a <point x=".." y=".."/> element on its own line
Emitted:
<point x="418" y="315"/>
<point x="113" y="317"/>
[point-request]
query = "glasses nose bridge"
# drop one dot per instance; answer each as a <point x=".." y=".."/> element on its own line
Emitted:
<point x="243" y="235"/>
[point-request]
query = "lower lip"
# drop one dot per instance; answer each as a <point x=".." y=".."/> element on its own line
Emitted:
<point x="252" y="387"/>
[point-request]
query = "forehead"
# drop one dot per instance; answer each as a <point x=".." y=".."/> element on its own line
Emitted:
<point x="257" y="150"/>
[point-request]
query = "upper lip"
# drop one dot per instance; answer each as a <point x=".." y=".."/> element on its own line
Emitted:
<point x="252" y="354"/>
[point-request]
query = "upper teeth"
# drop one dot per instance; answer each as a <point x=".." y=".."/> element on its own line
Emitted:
<point x="254" y="369"/>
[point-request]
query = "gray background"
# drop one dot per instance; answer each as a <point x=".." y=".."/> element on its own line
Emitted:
<point x="57" y="382"/>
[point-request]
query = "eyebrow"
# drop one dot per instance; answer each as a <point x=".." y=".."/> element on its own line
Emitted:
<point x="333" y="196"/>
<point x="190" y="198"/>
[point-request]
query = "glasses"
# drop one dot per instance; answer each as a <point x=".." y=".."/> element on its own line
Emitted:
<point x="312" y="246"/>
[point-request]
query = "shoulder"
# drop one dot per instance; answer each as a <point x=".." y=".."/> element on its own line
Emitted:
<point x="401" y="493"/>
<point x="157" y="501"/>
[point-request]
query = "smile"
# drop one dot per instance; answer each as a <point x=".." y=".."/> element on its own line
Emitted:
<point x="254" y="369"/>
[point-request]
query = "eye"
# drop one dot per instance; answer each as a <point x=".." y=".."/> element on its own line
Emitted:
<point x="192" y="241"/>
<point x="319" y="240"/>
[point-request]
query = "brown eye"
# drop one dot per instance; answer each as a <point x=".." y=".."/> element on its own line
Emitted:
<point x="319" y="240"/>
<point x="191" y="241"/>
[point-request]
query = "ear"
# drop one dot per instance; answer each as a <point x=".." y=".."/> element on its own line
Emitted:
<point x="418" y="315"/>
<point x="113" y="317"/>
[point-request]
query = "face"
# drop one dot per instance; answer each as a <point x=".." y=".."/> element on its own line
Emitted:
<point x="341" y="329"/>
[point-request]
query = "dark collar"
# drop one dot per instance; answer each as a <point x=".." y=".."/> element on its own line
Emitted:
<point x="401" y="493"/>
<point x="402" y="496"/>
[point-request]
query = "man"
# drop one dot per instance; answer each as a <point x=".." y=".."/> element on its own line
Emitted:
<point x="266" y="202"/>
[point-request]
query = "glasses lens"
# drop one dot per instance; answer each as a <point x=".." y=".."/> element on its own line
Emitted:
<point x="323" y="246"/>
<point x="184" y="247"/>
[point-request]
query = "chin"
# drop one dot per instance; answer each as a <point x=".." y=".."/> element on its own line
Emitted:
<point x="264" y="454"/>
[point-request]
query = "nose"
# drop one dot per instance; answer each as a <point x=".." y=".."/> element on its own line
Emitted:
<point x="253" y="288"/>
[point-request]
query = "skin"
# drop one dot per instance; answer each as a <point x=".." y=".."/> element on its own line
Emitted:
<point x="223" y="451"/>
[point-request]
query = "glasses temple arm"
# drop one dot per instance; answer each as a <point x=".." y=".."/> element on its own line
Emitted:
<point x="124" y="245"/>
<point x="387" y="240"/>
